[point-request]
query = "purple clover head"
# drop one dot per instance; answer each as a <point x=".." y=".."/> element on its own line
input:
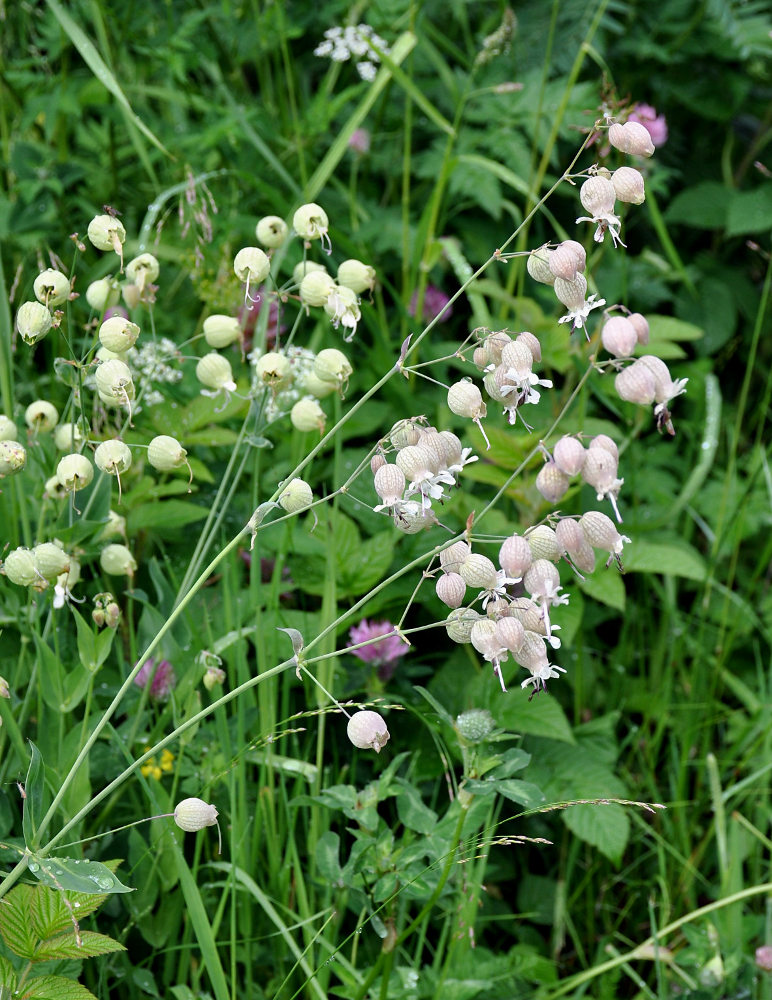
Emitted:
<point x="655" y="125"/>
<point x="435" y="302"/>
<point x="382" y="654"/>
<point x="161" y="679"/>
<point x="359" y="141"/>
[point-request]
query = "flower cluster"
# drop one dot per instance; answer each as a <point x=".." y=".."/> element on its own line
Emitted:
<point x="359" y="42"/>
<point x="597" y="465"/>
<point x="384" y="646"/>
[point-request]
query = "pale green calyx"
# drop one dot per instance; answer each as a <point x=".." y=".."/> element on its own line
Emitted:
<point x="113" y="379"/>
<point x="106" y="232"/>
<point x="215" y="372"/>
<point x="310" y="222"/>
<point x="102" y="294"/>
<point x="51" y="287"/>
<point x="143" y="270"/>
<point x="315" y="287"/>
<point x="332" y="365"/>
<point x="357" y="276"/>
<point x="296" y="495"/>
<point x="33" y="321"/>
<point x="19" y="567"/>
<point x="113" y="457"/>
<point x="117" y="560"/>
<point x="50" y="561"/>
<point x="274" y="370"/>
<point x="307" y="415"/>
<point x="305" y="267"/>
<point x="8" y="429"/>
<point x="13" y="458"/>
<point x="221" y="331"/>
<point x="251" y="265"/>
<point x="118" y="334"/>
<point x="41" y="415"/>
<point x="165" y="453"/>
<point x="74" y="472"/>
<point x="67" y="437"/>
<point x="271" y="231"/>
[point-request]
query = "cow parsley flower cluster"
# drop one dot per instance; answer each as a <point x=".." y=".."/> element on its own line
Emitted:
<point x="358" y="42"/>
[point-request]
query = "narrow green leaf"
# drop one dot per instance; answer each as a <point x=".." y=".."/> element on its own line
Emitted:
<point x="197" y="915"/>
<point x="51" y="674"/>
<point x="328" y="857"/>
<point x="34" y="789"/>
<point x="76" y="875"/>
<point x="99" y="68"/>
<point x="438" y="708"/>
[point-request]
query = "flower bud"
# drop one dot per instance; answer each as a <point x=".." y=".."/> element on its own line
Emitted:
<point x="377" y="462"/>
<point x="604" y="441"/>
<point x="315" y="288"/>
<point x="305" y="267"/>
<point x="567" y="259"/>
<point x="115" y="525"/>
<point x="454" y="556"/>
<point x="51" y="287"/>
<point x="404" y="433"/>
<point x="41" y="416"/>
<point x="8" y="429"/>
<point x="106" y="611"/>
<point x="221" y="331"/>
<point x="389" y="484"/>
<point x="367" y="730"/>
<point x="102" y="354"/>
<point x="542" y="543"/>
<point x="641" y="327"/>
<point x="113" y="379"/>
<point x="510" y="634"/>
<point x="451" y="589"/>
<point x="309" y="382"/>
<point x="632" y="138"/>
<point x="571" y="293"/>
<point x="475" y="726"/>
<point x="117" y="560"/>
<point x="515" y="556"/>
<point x="459" y="624"/>
<point x="118" y="334"/>
<point x="538" y="267"/>
<point x="531" y="341"/>
<point x="50" y="561"/>
<point x="19" y="567"/>
<point x="569" y="455"/>
<point x="296" y="495"/>
<point x="600" y="531"/>
<point x="478" y="571"/>
<point x="271" y="231"/>
<point x="215" y="372"/>
<point x="112" y="457"/>
<point x="143" y="270"/>
<point x="619" y="337"/>
<point x="13" y="458"/>
<point x="628" y="185"/>
<point x="251" y="265"/>
<point x="465" y="400"/>
<point x="569" y="535"/>
<point x="357" y="276"/>
<point x="33" y="321"/>
<point x="214" y="677"/>
<point x="307" y="415"/>
<point x="74" y="472"/>
<point x="331" y="365"/>
<point x="635" y="384"/>
<point x="192" y="814"/>
<point x="165" y="453"/>
<point x="597" y="196"/>
<point x="106" y="232"/>
<point x="310" y="222"/>
<point x="552" y="482"/>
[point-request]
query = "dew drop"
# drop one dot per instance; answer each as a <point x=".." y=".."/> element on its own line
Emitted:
<point x="103" y="881"/>
<point x="34" y="866"/>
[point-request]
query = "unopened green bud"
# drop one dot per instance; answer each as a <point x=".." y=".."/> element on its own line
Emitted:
<point x="19" y="567"/>
<point x="41" y="416"/>
<point x="117" y="560"/>
<point x="51" y="287"/>
<point x="221" y="331"/>
<point x="332" y="365"/>
<point x="106" y="611"/>
<point x="118" y="334"/>
<point x="307" y="415"/>
<point x="113" y="457"/>
<point x="33" y="321"/>
<point x="305" y="267"/>
<point x="165" y="453"/>
<point x="215" y="372"/>
<point x="67" y="436"/>
<point x="271" y="231"/>
<point x="251" y="265"/>
<point x="13" y="458"/>
<point x="8" y="429"/>
<point x="50" y="560"/>
<point x="459" y="624"/>
<point x="213" y="677"/>
<point x="274" y="370"/>
<point x="295" y="496"/>
<point x="315" y="288"/>
<point x="74" y="472"/>
<point x="102" y="294"/>
<point x="357" y="276"/>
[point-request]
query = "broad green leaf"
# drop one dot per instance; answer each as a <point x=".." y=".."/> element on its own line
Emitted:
<point x="49" y="914"/>
<point x="704" y="206"/>
<point x="34" y="790"/>
<point x="750" y="211"/>
<point x="525" y="793"/>
<point x="93" y="647"/>
<point x="170" y="515"/>
<point x="367" y="565"/>
<point x="541" y="716"/>
<point x="675" y="558"/>
<point x="15" y="926"/>
<point x="55" y="988"/>
<point x="606" y="586"/>
<point x="76" y="875"/>
<point x="65" y="946"/>
<point x="412" y="811"/>
<point x="7" y="977"/>
<point x="605" y="826"/>
<point x="328" y="857"/>
<point x="662" y="328"/>
<point x="51" y="683"/>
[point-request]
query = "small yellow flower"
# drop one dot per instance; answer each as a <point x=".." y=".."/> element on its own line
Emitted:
<point x="151" y="769"/>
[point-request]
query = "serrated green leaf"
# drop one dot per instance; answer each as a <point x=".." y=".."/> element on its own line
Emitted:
<point x="542" y="716"/>
<point x="676" y="558"/>
<point x="605" y="826"/>
<point x="7" y="976"/>
<point x="66" y="946"/>
<point x="76" y="875"/>
<point x="55" y="988"/>
<point x="15" y="926"/>
<point x="328" y="857"/>
<point x="49" y="913"/>
<point x="34" y="789"/>
<point x="525" y="793"/>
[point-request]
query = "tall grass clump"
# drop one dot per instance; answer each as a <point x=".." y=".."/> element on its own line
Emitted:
<point x="373" y="568"/>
